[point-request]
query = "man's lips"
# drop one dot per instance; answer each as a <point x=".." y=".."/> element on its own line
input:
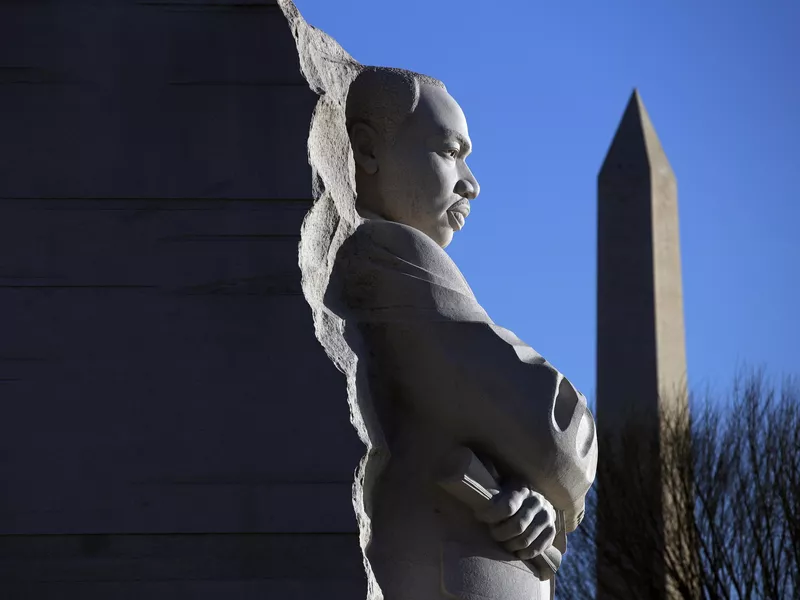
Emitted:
<point x="458" y="213"/>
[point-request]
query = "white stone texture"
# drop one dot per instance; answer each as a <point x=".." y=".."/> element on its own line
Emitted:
<point x="427" y="370"/>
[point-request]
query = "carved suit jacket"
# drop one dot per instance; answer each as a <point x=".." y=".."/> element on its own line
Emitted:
<point x="475" y="381"/>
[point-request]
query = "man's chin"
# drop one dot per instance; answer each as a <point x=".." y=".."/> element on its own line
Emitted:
<point x="444" y="236"/>
<point x="441" y="234"/>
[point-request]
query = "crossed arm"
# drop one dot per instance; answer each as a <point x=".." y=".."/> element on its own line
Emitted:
<point x="490" y="391"/>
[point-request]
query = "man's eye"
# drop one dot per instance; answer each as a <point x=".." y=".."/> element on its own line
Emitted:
<point x="452" y="152"/>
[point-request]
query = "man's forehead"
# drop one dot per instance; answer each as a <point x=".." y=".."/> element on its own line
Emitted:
<point x="438" y="112"/>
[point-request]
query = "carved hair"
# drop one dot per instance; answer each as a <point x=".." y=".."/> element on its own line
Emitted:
<point x="383" y="97"/>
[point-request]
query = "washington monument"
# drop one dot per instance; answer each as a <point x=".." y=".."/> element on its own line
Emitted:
<point x="641" y="357"/>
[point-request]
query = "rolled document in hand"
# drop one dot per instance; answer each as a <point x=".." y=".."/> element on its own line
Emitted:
<point x="467" y="479"/>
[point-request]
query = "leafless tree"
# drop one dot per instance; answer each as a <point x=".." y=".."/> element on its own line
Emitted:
<point x="709" y="508"/>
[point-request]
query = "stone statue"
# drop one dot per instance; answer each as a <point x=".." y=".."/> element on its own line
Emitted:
<point x="429" y="373"/>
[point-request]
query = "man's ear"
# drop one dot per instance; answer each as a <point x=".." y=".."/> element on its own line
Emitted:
<point x="364" y="140"/>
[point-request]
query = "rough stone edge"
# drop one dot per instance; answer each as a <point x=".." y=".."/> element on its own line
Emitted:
<point x="329" y="70"/>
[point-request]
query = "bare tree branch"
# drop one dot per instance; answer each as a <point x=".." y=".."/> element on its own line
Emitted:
<point x="711" y="505"/>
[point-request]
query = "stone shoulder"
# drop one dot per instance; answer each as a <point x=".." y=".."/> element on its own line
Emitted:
<point x="407" y="244"/>
<point x="390" y="271"/>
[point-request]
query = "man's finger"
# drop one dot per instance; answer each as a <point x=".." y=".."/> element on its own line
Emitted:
<point x="503" y="505"/>
<point x="539" y="544"/>
<point x="520" y="521"/>
<point x="529" y="533"/>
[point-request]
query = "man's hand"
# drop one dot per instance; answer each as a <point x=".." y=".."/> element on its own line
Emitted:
<point x="523" y="521"/>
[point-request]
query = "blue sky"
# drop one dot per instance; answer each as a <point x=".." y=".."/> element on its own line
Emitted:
<point x="544" y="84"/>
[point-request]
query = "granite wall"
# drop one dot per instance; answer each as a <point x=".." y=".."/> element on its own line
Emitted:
<point x="169" y="425"/>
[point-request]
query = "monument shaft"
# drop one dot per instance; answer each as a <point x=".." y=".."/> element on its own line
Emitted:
<point x="641" y="359"/>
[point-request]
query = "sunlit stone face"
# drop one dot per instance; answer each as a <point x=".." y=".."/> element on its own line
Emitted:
<point x="423" y="178"/>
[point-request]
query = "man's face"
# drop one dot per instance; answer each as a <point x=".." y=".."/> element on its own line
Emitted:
<point x="423" y="178"/>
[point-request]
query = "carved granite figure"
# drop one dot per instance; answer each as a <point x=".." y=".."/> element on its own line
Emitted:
<point x="429" y="373"/>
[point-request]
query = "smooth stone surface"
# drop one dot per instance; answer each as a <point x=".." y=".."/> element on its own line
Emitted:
<point x="158" y="364"/>
<point x="641" y="350"/>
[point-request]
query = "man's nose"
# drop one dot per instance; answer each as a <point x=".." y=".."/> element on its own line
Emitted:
<point x="468" y="187"/>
